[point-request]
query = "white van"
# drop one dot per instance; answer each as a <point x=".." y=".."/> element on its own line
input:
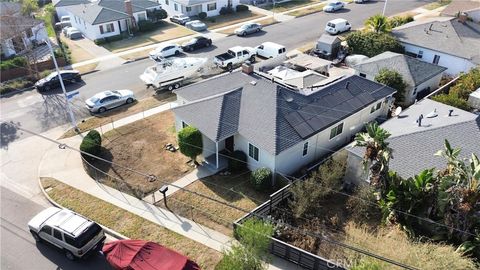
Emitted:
<point x="270" y="50"/>
<point x="337" y="26"/>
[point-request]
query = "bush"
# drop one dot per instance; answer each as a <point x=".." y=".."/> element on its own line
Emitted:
<point x="466" y="84"/>
<point x="237" y="161"/>
<point x="114" y="38"/>
<point x="261" y="178"/>
<point x="371" y="43"/>
<point x="14" y="85"/>
<point x="202" y="15"/>
<point x="91" y="144"/>
<point x="18" y="61"/>
<point x="400" y="20"/>
<point x="212" y="19"/>
<point x="394" y="80"/>
<point x="99" y="41"/>
<point x="226" y="10"/>
<point x="144" y="26"/>
<point x="242" y="8"/>
<point x="453" y="100"/>
<point x="190" y="142"/>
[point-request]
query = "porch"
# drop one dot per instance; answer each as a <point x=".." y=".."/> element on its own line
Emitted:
<point x="216" y="153"/>
<point x="210" y="162"/>
<point x="192" y="10"/>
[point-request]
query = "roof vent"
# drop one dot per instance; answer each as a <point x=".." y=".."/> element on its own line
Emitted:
<point x="253" y="83"/>
<point x="347" y="85"/>
<point x="432" y="114"/>
<point x="419" y="120"/>
<point x="450" y="112"/>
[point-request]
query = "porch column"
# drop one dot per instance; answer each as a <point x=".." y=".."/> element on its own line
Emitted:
<point x="216" y="152"/>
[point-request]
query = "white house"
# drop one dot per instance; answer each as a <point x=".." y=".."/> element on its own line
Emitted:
<point x="18" y="32"/>
<point x="61" y="6"/>
<point x="420" y="77"/>
<point x="448" y="42"/>
<point x="278" y="126"/>
<point x="106" y="18"/>
<point x="193" y="7"/>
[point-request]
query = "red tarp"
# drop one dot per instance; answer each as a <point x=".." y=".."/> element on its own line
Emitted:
<point x="143" y="255"/>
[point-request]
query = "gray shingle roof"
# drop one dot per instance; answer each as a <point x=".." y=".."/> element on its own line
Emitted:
<point x="193" y="2"/>
<point x="413" y="71"/>
<point x="445" y="35"/>
<point x="271" y="116"/>
<point x="414" y="147"/>
<point x="64" y="3"/>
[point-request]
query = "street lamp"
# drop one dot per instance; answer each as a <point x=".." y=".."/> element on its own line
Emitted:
<point x="70" y="112"/>
<point x="384" y="7"/>
<point x="273" y="9"/>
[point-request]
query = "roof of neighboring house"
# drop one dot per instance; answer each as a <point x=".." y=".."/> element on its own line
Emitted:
<point x="269" y="115"/>
<point x="64" y="3"/>
<point x="108" y="10"/>
<point x="414" y="147"/>
<point x="445" y="35"/>
<point x="9" y="8"/>
<point x="457" y="6"/>
<point x="193" y="2"/>
<point x="413" y="71"/>
<point x="11" y="26"/>
<point x="329" y="39"/>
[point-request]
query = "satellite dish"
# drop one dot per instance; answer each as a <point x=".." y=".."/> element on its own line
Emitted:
<point x="398" y="111"/>
<point x="432" y="114"/>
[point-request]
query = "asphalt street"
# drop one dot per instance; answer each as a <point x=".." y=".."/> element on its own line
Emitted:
<point x="43" y="112"/>
<point x="18" y="249"/>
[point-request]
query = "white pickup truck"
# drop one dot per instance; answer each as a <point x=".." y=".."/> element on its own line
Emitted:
<point x="235" y="56"/>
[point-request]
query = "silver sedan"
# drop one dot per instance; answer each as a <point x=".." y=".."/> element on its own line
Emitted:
<point x="103" y="101"/>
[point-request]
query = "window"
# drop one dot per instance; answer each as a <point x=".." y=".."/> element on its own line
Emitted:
<point x="212" y="6"/>
<point x="253" y="151"/>
<point x="110" y="28"/>
<point x="436" y="59"/>
<point x="166" y="2"/>
<point x="334" y="132"/>
<point x="363" y="75"/>
<point x="47" y="230"/>
<point x="69" y="240"/>
<point x="376" y="107"/>
<point x="175" y="6"/>
<point x="305" y="149"/>
<point x="420" y="54"/>
<point x="188" y="9"/>
<point x="57" y="234"/>
<point x="142" y="17"/>
<point x="414" y="91"/>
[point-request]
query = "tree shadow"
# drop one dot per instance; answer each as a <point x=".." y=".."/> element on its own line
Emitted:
<point x="8" y="134"/>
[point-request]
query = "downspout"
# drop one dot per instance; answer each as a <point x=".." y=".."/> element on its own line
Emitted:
<point x="216" y="153"/>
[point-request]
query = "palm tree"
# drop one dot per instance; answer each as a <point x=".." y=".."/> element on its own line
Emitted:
<point x="377" y="154"/>
<point x="378" y="24"/>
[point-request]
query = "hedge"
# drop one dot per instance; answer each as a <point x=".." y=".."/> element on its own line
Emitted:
<point x="226" y="10"/>
<point x="145" y="26"/>
<point x="92" y="144"/>
<point x="261" y="178"/>
<point x="101" y="41"/>
<point x="242" y="8"/>
<point x="15" y="62"/>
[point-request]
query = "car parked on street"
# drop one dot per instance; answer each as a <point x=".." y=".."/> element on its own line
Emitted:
<point x="248" y="28"/>
<point x="333" y="6"/>
<point x="75" y="34"/>
<point x="235" y="56"/>
<point x="361" y="1"/>
<point x="270" y="50"/>
<point x="105" y="100"/>
<point x="64" y="22"/>
<point x="196" y="43"/>
<point x="180" y="19"/>
<point x="66" y="29"/>
<point x="196" y="26"/>
<point x="166" y="50"/>
<point x="52" y="81"/>
<point x="74" y="234"/>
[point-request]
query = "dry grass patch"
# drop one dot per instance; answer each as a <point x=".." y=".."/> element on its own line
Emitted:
<point x="290" y="5"/>
<point x="229" y="19"/>
<point x="435" y="5"/>
<point x="165" y="32"/>
<point x="233" y="189"/>
<point x="127" y="223"/>
<point x="140" y="145"/>
<point x="306" y="11"/>
<point x="87" y="68"/>
<point x="121" y="112"/>
<point x="78" y="53"/>
<point x="263" y="22"/>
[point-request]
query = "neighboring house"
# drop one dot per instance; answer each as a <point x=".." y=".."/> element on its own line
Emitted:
<point x="420" y="77"/>
<point x="18" y="32"/>
<point x="193" y="7"/>
<point x="279" y="127"/>
<point x="106" y="18"/>
<point x="414" y="146"/>
<point x="61" y="6"/>
<point x="470" y="8"/>
<point x="446" y="42"/>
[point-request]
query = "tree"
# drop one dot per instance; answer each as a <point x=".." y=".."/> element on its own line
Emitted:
<point x="377" y="154"/>
<point x="372" y="43"/>
<point x="251" y="253"/>
<point x="393" y="79"/>
<point x="378" y="24"/>
<point x="29" y="6"/>
<point x="190" y="142"/>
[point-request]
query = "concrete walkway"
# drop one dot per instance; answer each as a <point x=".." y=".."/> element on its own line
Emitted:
<point x="99" y="51"/>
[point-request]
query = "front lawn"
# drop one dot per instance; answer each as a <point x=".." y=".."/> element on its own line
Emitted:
<point x="306" y="11"/>
<point x="78" y="53"/>
<point x="233" y="189"/>
<point x="140" y="145"/>
<point x="290" y="5"/>
<point x="229" y="19"/>
<point x="166" y="31"/>
<point x="128" y="224"/>
<point x="263" y="22"/>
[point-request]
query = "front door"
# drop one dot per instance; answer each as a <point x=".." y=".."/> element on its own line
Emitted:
<point x="229" y="144"/>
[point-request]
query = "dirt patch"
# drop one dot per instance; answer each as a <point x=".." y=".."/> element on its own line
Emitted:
<point x="128" y="224"/>
<point x="233" y="189"/>
<point x="140" y="145"/>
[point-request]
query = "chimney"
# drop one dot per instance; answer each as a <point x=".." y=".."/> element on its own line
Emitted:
<point x="462" y="17"/>
<point x="129" y="11"/>
<point x="450" y="113"/>
<point x="247" y="68"/>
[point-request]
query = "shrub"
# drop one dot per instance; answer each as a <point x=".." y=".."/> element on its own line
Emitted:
<point x="453" y="100"/>
<point x="212" y="19"/>
<point x="466" y="84"/>
<point x="400" y="20"/>
<point x="261" y="178"/>
<point x="237" y="161"/>
<point x="114" y="38"/>
<point x="202" y="15"/>
<point x="226" y="10"/>
<point x="371" y="43"/>
<point x="242" y="8"/>
<point x="363" y="204"/>
<point x="99" y="41"/>
<point x="394" y="80"/>
<point x="144" y="26"/>
<point x="91" y="144"/>
<point x="15" y="62"/>
<point x="190" y="142"/>
<point x="14" y="85"/>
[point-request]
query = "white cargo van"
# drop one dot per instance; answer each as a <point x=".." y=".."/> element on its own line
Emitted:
<point x="270" y="50"/>
<point x="337" y="26"/>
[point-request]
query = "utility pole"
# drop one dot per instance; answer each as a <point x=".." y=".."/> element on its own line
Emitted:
<point x="273" y="9"/>
<point x="384" y="7"/>
<point x="69" y="109"/>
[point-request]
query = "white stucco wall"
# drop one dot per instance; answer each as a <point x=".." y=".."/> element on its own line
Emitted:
<point x="265" y="159"/>
<point x="170" y="7"/>
<point x="454" y="64"/>
<point x="93" y="31"/>
<point x="7" y="48"/>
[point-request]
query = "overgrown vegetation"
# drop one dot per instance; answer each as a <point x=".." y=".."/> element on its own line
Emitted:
<point x="395" y="80"/>
<point x="17" y="61"/>
<point x="15" y="85"/>
<point x="458" y="94"/>
<point x="382" y="24"/>
<point x="261" y="178"/>
<point x="190" y="142"/>
<point x="372" y="43"/>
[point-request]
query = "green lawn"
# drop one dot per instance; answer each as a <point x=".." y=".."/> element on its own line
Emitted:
<point x="229" y="19"/>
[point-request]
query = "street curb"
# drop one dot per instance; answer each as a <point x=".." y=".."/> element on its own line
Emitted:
<point x="9" y="94"/>
<point x="54" y="203"/>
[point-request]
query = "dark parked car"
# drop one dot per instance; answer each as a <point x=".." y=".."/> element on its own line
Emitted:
<point x="180" y="19"/>
<point x="52" y="81"/>
<point x="196" y="43"/>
